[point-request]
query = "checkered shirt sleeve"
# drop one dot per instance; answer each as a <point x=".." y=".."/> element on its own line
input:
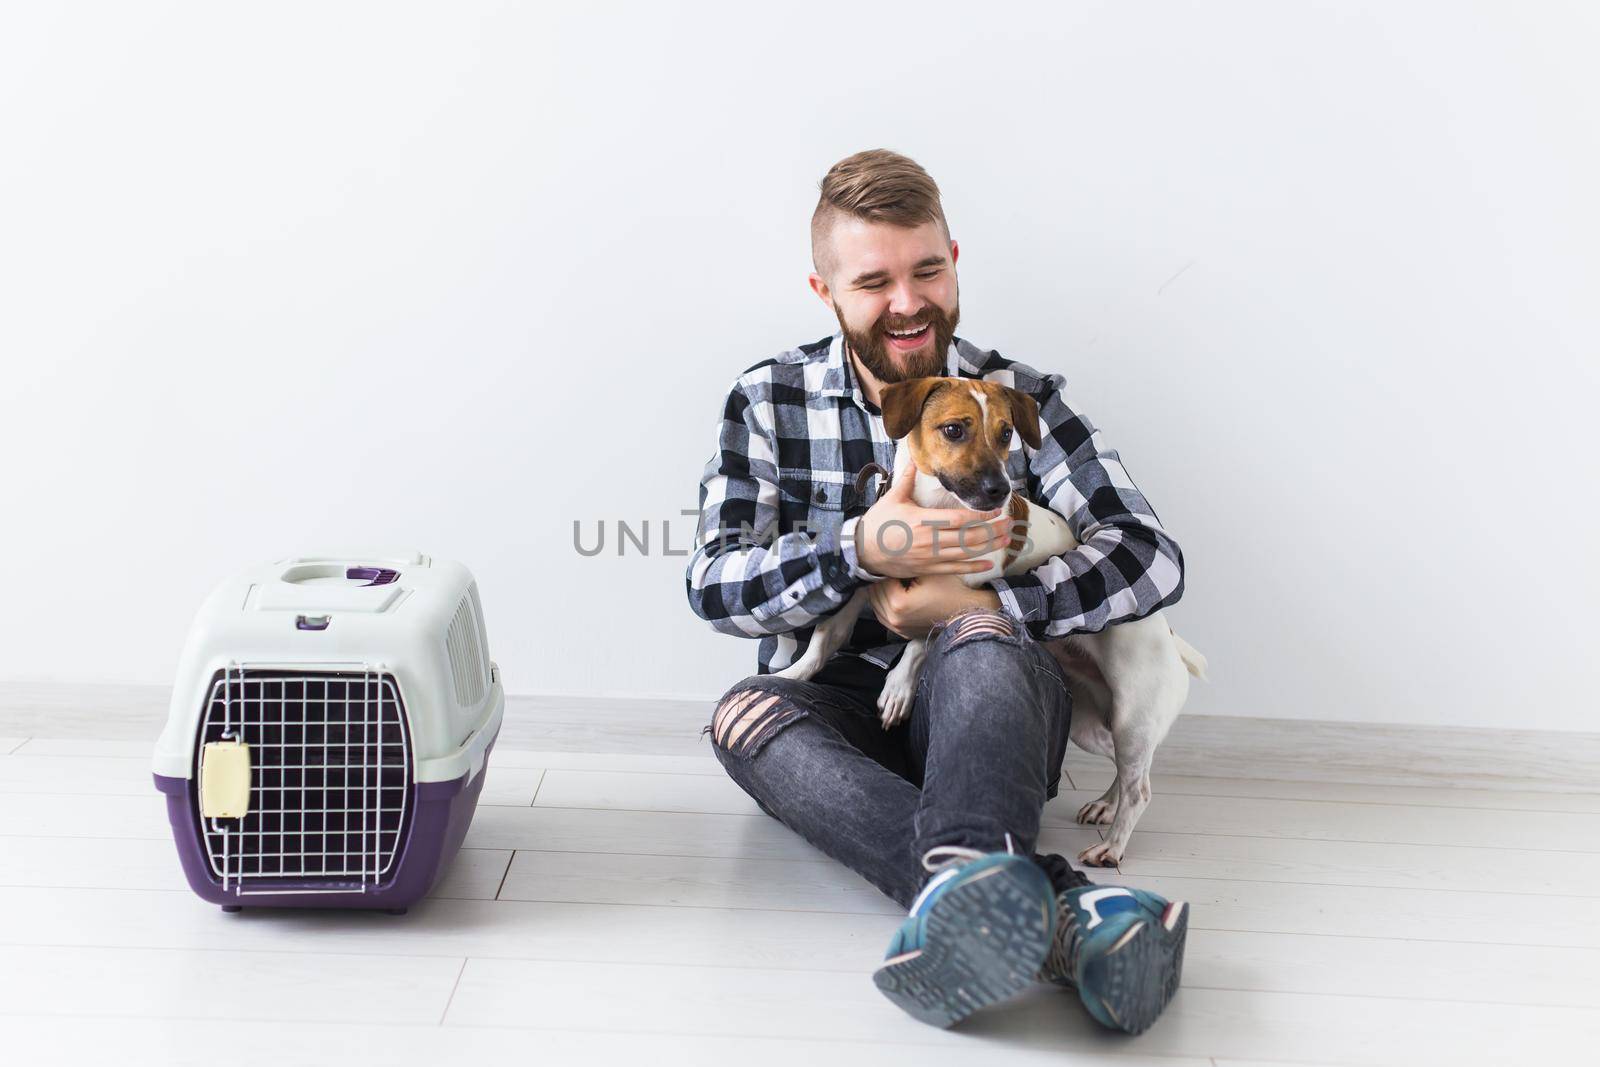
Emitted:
<point x="746" y="576"/>
<point x="1126" y="566"/>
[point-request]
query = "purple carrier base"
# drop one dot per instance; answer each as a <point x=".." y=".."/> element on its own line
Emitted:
<point x="440" y="815"/>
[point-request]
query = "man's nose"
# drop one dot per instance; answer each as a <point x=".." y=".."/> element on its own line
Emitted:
<point x="903" y="302"/>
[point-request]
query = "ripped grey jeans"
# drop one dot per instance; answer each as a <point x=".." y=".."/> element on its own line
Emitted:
<point x="976" y="760"/>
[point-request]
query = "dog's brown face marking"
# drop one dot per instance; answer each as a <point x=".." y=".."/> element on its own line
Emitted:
<point x="959" y="430"/>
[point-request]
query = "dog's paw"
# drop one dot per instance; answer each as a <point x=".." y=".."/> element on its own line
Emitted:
<point x="1101" y="855"/>
<point x="1098" y="812"/>
<point x="894" y="703"/>
<point x="801" y="670"/>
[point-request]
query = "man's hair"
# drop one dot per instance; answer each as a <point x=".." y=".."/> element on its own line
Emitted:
<point x="879" y="186"/>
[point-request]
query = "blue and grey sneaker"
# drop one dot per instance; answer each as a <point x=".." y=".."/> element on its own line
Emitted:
<point x="976" y="934"/>
<point x="1121" y="949"/>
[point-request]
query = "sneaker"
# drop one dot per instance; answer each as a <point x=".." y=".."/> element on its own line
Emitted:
<point x="976" y="934"/>
<point x="1121" y="949"/>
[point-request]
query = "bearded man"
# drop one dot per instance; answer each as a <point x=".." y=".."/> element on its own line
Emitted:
<point x="942" y="811"/>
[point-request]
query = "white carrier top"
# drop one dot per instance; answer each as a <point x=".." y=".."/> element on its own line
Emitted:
<point x="414" y="618"/>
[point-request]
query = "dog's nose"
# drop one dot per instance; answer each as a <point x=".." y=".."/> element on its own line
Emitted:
<point x="995" y="490"/>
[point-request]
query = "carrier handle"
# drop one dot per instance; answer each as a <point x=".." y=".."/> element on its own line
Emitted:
<point x="372" y="575"/>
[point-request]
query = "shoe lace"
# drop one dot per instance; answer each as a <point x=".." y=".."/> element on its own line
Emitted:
<point x="1061" y="961"/>
<point x="941" y="861"/>
<point x="939" y="857"/>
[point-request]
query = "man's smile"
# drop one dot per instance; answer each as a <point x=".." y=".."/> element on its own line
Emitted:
<point x="909" y="338"/>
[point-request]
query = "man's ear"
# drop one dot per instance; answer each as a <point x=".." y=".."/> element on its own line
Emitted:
<point x="1024" y="416"/>
<point x="819" y="285"/>
<point x="902" y="404"/>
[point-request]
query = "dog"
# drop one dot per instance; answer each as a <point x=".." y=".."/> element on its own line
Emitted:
<point x="1128" y="681"/>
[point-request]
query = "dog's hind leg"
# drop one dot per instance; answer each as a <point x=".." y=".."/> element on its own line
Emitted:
<point x="1091" y="710"/>
<point x="1091" y="735"/>
<point x="1134" y="752"/>
<point x="1143" y="707"/>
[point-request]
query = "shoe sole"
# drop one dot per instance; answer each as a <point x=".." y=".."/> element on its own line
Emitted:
<point x="984" y="941"/>
<point x="1135" y="979"/>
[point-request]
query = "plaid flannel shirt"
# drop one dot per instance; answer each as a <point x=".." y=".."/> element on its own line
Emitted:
<point x="775" y="550"/>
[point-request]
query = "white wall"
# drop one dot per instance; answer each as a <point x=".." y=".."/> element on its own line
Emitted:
<point x="457" y="275"/>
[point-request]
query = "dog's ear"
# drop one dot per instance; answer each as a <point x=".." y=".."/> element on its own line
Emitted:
<point x="902" y="404"/>
<point x="1024" y="416"/>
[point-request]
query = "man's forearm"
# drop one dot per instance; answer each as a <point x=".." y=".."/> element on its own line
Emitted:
<point x="1121" y="572"/>
<point x="1126" y="565"/>
<point x="914" y="611"/>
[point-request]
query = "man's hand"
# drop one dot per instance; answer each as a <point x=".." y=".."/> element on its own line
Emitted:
<point x="912" y="612"/>
<point x="898" y="539"/>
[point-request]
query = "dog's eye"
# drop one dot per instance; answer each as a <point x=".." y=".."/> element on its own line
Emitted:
<point x="954" y="431"/>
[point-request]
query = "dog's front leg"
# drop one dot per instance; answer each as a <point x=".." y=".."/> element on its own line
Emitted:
<point x="827" y="638"/>
<point x="900" y="686"/>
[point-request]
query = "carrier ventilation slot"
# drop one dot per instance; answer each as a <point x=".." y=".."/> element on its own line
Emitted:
<point x="465" y="642"/>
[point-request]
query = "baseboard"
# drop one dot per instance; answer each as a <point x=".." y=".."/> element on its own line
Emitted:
<point x="1215" y="746"/>
<point x="1228" y="746"/>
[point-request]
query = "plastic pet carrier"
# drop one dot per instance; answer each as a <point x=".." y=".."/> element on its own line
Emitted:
<point x="329" y="732"/>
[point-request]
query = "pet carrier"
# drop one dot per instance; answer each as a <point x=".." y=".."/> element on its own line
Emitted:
<point x="329" y="732"/>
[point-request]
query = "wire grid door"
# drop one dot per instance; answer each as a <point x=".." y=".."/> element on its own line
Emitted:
<point x="330" y="775"/>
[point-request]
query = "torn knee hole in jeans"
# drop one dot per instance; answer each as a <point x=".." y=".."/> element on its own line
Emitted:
<point x="975" y="624"/>
<point x="745" y="720"/>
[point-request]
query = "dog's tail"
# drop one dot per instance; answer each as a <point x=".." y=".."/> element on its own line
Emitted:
<point x="1192" y="659"/>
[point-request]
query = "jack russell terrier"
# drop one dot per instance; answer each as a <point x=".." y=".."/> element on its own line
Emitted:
<point x="1128" y="681"/>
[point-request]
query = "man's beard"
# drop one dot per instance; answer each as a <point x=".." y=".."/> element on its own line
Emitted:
<point x="872" y="346"/>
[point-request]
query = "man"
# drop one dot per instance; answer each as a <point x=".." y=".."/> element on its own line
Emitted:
<point x="942" y="811"/>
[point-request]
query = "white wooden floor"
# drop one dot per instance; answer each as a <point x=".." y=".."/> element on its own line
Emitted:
<point x="624" y="906"/>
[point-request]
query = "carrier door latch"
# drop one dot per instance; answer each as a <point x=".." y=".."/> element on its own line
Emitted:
<point x="225" y="780"/>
